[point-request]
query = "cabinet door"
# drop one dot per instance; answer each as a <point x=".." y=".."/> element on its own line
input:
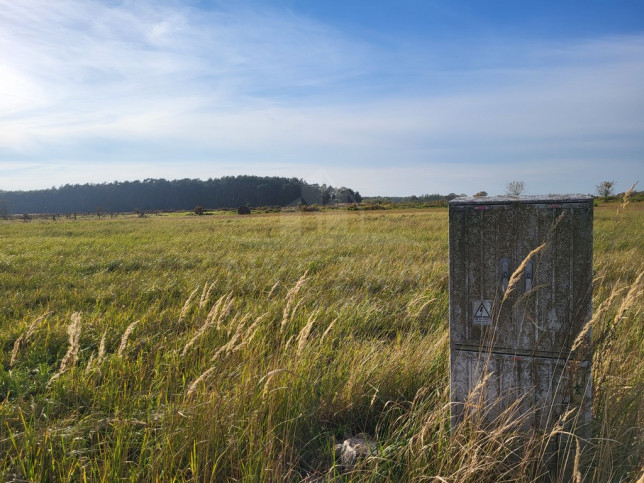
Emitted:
<point x="534" y="391"/>
<point x="480" y="237"/>
<point x="549" y="302"/>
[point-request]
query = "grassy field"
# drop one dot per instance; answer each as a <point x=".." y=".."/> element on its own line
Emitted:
<point x="239" y="348"/>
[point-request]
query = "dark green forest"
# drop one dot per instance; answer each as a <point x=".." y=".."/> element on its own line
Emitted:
<point x="182" y="194"/>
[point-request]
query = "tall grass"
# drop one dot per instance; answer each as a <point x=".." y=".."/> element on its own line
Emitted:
<point x="309" y="327"/>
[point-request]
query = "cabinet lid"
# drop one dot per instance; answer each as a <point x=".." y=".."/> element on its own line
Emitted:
<point x="524" y="199"/>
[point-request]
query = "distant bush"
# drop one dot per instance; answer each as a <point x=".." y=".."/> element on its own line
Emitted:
<point x="310" y="208"/>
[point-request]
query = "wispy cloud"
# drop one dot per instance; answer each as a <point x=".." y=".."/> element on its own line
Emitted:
<point x="168" y="88"/>
<point x="77" y="65"/>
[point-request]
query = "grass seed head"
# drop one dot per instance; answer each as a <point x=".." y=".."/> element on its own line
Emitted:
<point x="272" y="290"/>
<point x="205" y="295"/>
<point x="304" y="333"/>
<point x="215" y="316"/>
<point x="71" y="357"/>
<point x="518" y="273"/>
<point x="290" y="298"/>
<point x="125" y="337"/>
<point x="24" y="338"/>
<point x="187" y="305"/>
<point x="328" y="329"/>
<point x="101" y="346"/>
<point x="195" y="384"/>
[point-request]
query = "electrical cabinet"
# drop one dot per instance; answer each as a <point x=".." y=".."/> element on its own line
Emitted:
<point x="520" y="286"/>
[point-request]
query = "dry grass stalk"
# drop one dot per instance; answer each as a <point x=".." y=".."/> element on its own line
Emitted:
<point x="633" y="295"/>
<point x="518" y="273"/>
<point x="576" y="473"/>
<point x="582" y="337"/>
<point x="625" y="201"/>
<point x="289" y="317"/>
<point x="641" y="478"/>
<point x="273" y="288"/>
<point x="215" y="310"/>
<point x="125" y="337"/>
<point x="193" y="387"/>
<point x="71" y="357"/>
<point x="237" y="341"/>
<point x="24" y="338"/>
<point x="186" y="306"/>
<point x="20" y="341"/>
<point x="252" y="330"/>
<point x="475" y="402"/>
<point x="101" y="354"/>
<point x="288" y="343"/>
<point x="328" y="329"/>
<point x="290" y="297"/>
<point x="558" y="427"/>
<point x="267" y="380"/>
<point x="73" y="331"/>
<point x="413" y="303"/>
<point x="220" y="310"/>
<point x="205" y="295"/>
<point x="421" y="310"/>
<point x="555" y="224"/>
<point x="232" y="344"/>
<point x="90" y="363"/>
<point x="215" y="316"/>
<point x="101" y="346"/>
<point x="304" y="333"/>
<point x="615" y="292"/>
<point x="374" y="397"/>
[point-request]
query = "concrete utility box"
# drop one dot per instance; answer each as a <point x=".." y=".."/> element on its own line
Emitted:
<point x="520" y="332"/>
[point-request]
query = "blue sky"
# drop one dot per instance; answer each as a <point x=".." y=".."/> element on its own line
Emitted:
<point x="386" y="97"/>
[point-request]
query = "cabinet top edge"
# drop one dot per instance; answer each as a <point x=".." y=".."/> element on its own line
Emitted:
<point x="532" y="199"/>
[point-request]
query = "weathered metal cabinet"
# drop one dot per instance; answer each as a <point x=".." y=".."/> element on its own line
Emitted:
<point x="514" y="318"/>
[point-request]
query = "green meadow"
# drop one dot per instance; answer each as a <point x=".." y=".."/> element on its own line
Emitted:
<point x="177" y="347"/>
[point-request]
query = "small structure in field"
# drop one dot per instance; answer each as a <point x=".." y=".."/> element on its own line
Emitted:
<point x="243" y="210"/>
<point x="521" y="270"/>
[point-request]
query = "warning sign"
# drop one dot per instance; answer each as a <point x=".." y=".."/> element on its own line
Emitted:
<point x="482" y="312"/>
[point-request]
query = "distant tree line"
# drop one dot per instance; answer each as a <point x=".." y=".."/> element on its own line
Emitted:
<point x="426" y="198"/>
<point x="183" y="194"/>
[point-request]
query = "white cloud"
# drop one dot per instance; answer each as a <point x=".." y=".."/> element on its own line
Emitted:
<point x="266" y="91"/>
